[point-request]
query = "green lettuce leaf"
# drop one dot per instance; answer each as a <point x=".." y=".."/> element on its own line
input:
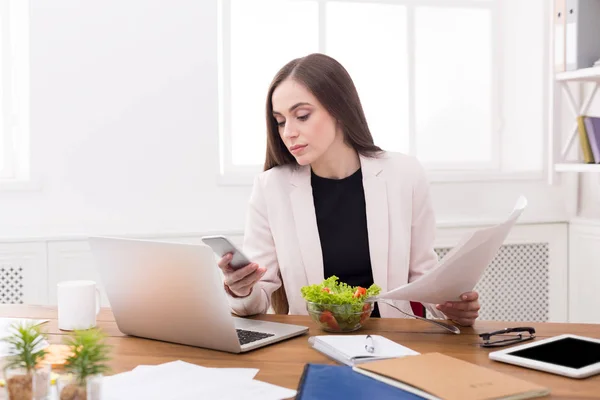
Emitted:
<point x="339" y="300"/>
<point x="339" y="292"/>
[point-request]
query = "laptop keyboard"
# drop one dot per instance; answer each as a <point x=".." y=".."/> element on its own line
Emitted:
<point x="246" y="337"/>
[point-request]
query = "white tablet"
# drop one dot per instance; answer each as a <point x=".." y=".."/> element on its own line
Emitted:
<point x="569" y="355"/>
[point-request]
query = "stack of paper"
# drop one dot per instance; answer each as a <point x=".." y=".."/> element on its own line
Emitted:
<point x="181" y="380"/>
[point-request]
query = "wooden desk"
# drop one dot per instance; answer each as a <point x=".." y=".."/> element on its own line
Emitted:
<point x="282" y="363"/>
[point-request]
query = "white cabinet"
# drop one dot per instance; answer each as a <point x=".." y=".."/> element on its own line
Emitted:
<point x="71" y="260"/>
<point x="23" y="273"/>
<point x="584" y="271"/>
<point x="527" y="280"/>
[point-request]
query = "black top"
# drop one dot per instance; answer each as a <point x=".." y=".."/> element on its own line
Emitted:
<point x="342" y="223"/>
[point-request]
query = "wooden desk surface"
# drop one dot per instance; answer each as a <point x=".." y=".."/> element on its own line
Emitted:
<point x="282" y="363"/>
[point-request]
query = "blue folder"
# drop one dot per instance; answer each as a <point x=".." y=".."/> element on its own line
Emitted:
<point x="332" y="382"/>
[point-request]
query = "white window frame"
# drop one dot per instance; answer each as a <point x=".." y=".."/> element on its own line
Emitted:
<point x="437" y="172"/>
<point x="14" y="95"/>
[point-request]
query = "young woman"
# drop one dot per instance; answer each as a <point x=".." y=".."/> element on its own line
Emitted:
<point x="330" y="202"/>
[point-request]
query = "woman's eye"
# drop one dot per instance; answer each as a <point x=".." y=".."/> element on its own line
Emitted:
<point x="303" y="117"/>
<point x="281" y="124"/>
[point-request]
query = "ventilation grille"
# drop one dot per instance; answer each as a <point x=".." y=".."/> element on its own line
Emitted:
<point x="514" y="287"/>
<point x="11" y="284"/>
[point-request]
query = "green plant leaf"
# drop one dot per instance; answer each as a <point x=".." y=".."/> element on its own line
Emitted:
<point x="90" y="354"/>
<point x="25" y="342"/>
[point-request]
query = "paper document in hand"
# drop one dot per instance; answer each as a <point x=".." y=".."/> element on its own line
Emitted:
<point x="460" y="270"/>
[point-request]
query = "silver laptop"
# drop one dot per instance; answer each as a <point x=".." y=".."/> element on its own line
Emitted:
<point x="174" y="292"/>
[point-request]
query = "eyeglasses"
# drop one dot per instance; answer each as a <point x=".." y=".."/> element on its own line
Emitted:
<point x="520" y="337"/>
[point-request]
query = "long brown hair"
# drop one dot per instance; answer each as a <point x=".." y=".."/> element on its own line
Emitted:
<point x="333" y="87"/>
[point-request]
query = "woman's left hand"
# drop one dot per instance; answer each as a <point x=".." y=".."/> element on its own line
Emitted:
<point x="463" y="312"/>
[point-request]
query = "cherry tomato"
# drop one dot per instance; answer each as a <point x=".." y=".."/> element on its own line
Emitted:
<point x="360" y="291"/>
<point x="328" y="318"/>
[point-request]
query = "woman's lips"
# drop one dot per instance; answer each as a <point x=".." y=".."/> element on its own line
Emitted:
<point x="297" y="148"/>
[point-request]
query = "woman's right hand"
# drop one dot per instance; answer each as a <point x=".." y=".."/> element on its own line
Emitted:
<point x="240" y="281"/>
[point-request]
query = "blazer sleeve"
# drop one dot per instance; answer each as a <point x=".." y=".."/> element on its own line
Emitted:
<point x="423" y="257"/>
<point x="259" y="247"/>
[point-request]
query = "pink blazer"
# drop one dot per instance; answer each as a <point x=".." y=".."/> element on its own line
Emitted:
<point x="281" y="231"/>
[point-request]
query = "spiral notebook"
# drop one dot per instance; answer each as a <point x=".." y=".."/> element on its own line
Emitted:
<point x="354" y="349"/>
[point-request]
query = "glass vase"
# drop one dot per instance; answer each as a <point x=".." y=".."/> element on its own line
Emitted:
<point x="69" y="389"/>
<point x="94" y="387"/>
<point x="41" y="382"/>
<point x="27" y="385"/>
<point x="18" y="383"/>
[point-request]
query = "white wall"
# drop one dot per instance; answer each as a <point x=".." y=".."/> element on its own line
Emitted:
<point x="124" y="129"/>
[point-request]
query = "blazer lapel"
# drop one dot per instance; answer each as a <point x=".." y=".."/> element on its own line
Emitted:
<point x="377" y="218"/>
<point x="305" y="219"/>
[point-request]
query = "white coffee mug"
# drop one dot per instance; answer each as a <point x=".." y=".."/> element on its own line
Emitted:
<point x="78" y="304"/>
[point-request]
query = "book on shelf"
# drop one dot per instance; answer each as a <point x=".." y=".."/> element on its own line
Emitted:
<point x="592" y="129"/>
<point x="588" y="156"/>
<point x="582" y="30"/>
<point x="560" y="18"/>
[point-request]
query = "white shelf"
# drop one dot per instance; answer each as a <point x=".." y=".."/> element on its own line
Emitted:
<point x="576" y="167"/>
<point x="581" y="75"/>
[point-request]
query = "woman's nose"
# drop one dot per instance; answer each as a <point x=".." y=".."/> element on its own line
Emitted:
<point x="289" y="131"/>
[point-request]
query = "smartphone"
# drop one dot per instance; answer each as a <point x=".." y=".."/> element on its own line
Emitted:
<point x="221" y="246"/>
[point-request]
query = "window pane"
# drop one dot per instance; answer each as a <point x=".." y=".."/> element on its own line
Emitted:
<point x="265" y="35"/>
<point x="523" y="110"/>
<point x="453" y="84"/>
<point x="370" y="41"/>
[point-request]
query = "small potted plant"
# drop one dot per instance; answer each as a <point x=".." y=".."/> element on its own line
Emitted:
<point x="27" y="376"/>
<point x="86" y="365"/>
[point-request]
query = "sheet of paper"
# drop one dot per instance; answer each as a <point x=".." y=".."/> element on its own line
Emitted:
<point x="460" y="270"/>
<point x="181" y="380"/>
<point x="179" y="366"/>
<point x="6" y="323"/>
<point x="250" y="390"/>
<point x="5" y="331"/>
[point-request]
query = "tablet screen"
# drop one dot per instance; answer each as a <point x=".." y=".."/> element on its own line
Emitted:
<point x="567" y="352"/>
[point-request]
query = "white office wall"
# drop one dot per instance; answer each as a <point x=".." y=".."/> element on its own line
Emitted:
<point x="124" y="129"/>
